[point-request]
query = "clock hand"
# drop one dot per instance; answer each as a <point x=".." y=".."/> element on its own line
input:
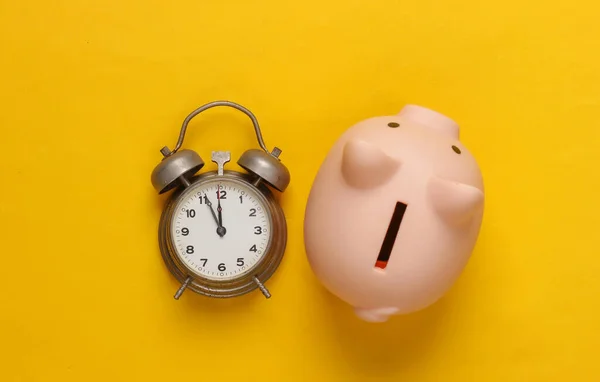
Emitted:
<point x="209" y="204"/>
<point x="219" y="209"/>
<point x="220" y="229"/>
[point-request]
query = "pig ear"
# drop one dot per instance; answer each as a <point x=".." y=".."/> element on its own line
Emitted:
<point x="431" y="119"/>
<point x="365" y="165"/>
<point x="454" y="202"/>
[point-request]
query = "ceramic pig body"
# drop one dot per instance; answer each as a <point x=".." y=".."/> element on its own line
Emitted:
<point x="394" y="213"/>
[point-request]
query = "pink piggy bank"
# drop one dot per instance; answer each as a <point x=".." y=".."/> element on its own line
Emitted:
<point x="394" y="213"/>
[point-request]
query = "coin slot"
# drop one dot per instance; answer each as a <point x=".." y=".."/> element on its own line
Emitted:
<point x="390" y="236"/>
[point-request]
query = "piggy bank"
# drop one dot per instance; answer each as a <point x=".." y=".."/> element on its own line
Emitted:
<point x="394" y="213"/>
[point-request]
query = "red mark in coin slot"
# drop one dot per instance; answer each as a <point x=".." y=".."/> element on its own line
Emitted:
<point x="390" y="236"/>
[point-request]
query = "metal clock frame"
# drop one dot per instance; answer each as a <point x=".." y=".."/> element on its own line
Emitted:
<point x="177" y="171"/>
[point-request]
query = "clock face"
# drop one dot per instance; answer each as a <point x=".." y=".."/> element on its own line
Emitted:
<point x="221" y="228"/>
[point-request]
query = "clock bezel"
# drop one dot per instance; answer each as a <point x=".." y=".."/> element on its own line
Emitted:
<point x="262" y="270"/>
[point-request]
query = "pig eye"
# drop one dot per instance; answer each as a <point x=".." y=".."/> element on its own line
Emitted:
<point x="393" y="124"/>
<point x="456" y="149"/>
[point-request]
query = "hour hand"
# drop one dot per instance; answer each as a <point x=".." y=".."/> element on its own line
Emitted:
<point x="220" y="222"/>
<point x="220" y="228"/>
<point x="219" y="209"/>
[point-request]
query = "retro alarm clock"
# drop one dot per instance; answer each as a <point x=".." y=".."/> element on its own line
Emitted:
<point x="222" y="233"/>
<point x="394" y="213"/>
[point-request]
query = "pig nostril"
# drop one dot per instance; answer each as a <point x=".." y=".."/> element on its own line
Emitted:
<point x="456" y="149"/>
<point x="393" y="124"/>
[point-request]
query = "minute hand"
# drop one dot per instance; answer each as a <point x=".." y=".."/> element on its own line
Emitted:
<point x="209" y="204"/>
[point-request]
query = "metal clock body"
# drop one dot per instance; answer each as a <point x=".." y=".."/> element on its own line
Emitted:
<point x="222" y="233"/>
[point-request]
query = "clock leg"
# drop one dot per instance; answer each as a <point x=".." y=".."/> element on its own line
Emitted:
<point x="262" y="288"/>
<point x="182" y="288"/>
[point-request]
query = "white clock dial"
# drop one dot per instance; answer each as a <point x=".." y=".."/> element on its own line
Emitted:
<point x="233" y="250"/>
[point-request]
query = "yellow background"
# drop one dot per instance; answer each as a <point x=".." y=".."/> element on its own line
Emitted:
<point x="91" y="90"/>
